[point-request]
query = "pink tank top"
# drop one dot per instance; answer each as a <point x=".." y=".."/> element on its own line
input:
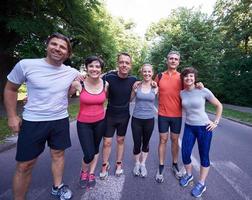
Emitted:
<point x="91" y="106"/>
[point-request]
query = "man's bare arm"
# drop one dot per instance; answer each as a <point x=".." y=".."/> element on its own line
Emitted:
<point x="10" y="102"/>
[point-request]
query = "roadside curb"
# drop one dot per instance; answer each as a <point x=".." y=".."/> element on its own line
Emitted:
<point x="234" y="120"/>
<point x="8" y="143"/>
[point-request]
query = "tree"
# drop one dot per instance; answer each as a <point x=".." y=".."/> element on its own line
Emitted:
<point x="192" y="33"/>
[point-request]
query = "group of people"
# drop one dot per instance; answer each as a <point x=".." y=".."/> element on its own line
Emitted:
<point x="45" y="117"/>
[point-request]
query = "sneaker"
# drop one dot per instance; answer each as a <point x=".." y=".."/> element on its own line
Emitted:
<point x="198" y="190"/>
<point x="91" y="181"/>
<point x="83" y="179"/>
<point x="105" y="171"/>
<point x="62" y="192"/>
<point x="136" y="170"/>
<point x="185" y="180"/>
<point x="119" y="169"/>
<point x="143" y="171"/>
<point x="159" y="177"/>
<point x="177" y="173"/>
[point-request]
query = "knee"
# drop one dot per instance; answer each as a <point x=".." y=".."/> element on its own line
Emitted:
<point x="120" y="140"/>
<point x="174" y="140"/>
<point x="163" y="140"/>
<point x="25" y="167"/>
<point x="57" y="155"/>
<point x="107" y="143"/>
<point x="145" y="148"/>
<point x="136" y="150"/>
<point x="88" y="158"/>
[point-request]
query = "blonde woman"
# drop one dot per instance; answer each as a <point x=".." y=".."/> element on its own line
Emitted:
<point x="142" y="123"/>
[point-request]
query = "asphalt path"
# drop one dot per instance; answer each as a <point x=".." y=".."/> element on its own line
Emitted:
<point x="230" y="176"/>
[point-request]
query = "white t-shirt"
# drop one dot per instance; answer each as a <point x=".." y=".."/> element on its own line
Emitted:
<point x="47" y="88"/>
<point x="193" y="103"/>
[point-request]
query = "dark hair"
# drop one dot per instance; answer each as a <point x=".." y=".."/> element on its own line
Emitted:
<point x="62" y="37"/>
<point x="189" y="70"/>
<point x="90" y="59"/>
<point x="123" y="54"/>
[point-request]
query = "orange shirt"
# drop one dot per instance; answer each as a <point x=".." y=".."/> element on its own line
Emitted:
<point x="169" y="102"/>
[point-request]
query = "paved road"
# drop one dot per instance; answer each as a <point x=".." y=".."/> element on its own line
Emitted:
<point x="230" y="176"/>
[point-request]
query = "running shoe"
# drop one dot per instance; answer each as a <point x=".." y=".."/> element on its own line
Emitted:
<point x="119" y="169"/>
<point x="62" y="192"/>
<point x="83" y="179"/>
<point x="159" y="177"/>
<point x="177" y="173"/>
<point x="198" y="190"/>
<point x="185" y="180"/>
<point x="143" y="171"/>
<point x="105" y="171"/>
<point x="136" y="170"/>
<point x="91" y="181"/>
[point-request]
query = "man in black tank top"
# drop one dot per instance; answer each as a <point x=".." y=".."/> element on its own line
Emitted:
<point x="117" y="113"/>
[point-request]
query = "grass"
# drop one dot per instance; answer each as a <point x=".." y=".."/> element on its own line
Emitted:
<point x="73" y="110"/>
<point x="233" y="114"/>
<point x="4" y="129"/>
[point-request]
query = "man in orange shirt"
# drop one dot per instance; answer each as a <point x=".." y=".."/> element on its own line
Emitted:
<point x="169" y="113"/>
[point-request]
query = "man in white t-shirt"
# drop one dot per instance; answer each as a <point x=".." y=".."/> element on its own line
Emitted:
<point x="45" y="116"/>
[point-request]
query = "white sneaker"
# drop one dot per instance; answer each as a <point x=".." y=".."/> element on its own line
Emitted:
<point x="136" y="170"/>
<point x="143" y="171"/>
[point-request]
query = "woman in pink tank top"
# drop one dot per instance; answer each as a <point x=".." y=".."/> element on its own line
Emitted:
<point x="90" y="120"/>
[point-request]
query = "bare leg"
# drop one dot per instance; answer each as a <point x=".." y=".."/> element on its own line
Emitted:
<point x="93" y="164"/>
<point x="22" y="178"/>
<point x="174" y="147"/>
<point x="203" y="173"/>
<point x="137" y="158"/>
<point x="120" y="148"/>
<point x="162" y="147"/>
<point x="58" y="162"/>
<point x="107" y="142"/>
<point x="188" y="169"/>
<point x="144" y="157"/>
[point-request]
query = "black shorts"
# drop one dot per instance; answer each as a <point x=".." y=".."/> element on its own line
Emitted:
<point x="116" y="124"/>
<point x="33" y="136"/>
<point x="174" y="123"/>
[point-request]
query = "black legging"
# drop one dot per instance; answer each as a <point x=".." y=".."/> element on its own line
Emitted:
<point x="90" y="136"/>
<point x="141" y="131"/>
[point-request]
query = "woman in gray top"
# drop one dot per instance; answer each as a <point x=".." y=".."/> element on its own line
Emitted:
<point x="197" y="127"/>
<point x="142" y="123"/>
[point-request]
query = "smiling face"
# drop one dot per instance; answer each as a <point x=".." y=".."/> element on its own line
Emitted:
<point x="189" y="80"/>
<point x="94" y="69"/>
<point x="124" y="65"/>
<point x="172" y="61"/>
<point x="57" y="51"/>
<point x="147" y="72"/>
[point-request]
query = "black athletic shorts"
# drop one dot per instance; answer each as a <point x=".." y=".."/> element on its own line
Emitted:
<point x="174" y="123"/>
<point x="33" y="136"/>
<point x="116" y="124"/>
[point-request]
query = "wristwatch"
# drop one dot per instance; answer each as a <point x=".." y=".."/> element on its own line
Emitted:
<point x="216" y="122"/>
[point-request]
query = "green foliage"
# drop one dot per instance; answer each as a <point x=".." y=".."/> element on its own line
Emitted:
<point x="232" y="114"/>
<point x="219" y="46"/>
<point x="4" y="129"/>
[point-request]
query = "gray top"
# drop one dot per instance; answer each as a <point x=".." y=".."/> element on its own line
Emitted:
<point x="47" y="88"/>
<point x="144" y="106"/>
<point x="193" y="103"/>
